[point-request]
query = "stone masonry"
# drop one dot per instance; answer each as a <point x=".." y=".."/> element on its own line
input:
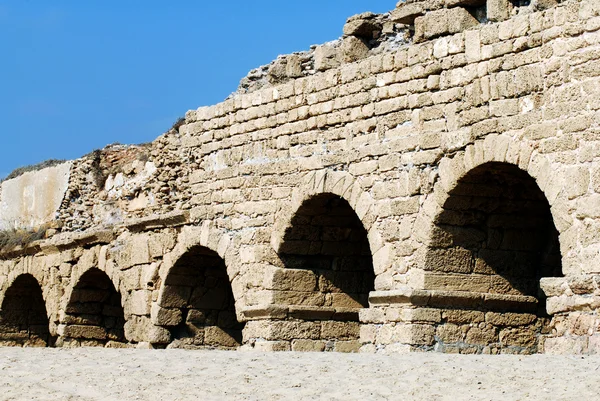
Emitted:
<point x="428" y="182"/>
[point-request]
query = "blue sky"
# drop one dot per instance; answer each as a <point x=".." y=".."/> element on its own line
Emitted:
<point x="78" y="75"/>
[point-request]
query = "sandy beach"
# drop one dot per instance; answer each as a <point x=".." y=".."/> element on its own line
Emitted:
<point x="105" y="374"/>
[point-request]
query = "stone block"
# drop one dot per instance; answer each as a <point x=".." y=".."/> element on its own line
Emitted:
<point x="353" y="49"/>
<point x="415" y="334"/>
<point x="272" y="346"/>
<point x="566" y="345"/>
<point x="463" y="316"/>
<point x="443" y="22"/>
<point x="165" y="317"/>
<point x="292" y="280"/>
<point x="509" y="319"/>
<point x="339" y="330"/>
<point x="347" y="346"/>
<point x="139" y="302"/>
<point x="449" y="333"/>
<point x="174" y="296"/>
<point x="157" y="335"/>
<point x="362" y="26"/>
<point x="483" y="335"/>
<point x="326" y="57"/>
<point x="216" y="336"/>
<point x="308" y="346"/>
<point x="498" y="10"/>
<point x="85" y="332"/>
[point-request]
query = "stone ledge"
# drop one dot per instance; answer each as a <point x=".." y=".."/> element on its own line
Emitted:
<point x="279" y="312"/>
<point x="70" y="240"/>
<point x="172" y="219"/>
<point x="61" y="242"/>
<point x="456" y="299"/>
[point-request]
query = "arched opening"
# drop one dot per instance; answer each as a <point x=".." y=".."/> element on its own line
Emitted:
<point x="326" y="245"/>
<point x="197" y="303"/>
<point x="495" y="235"/>
<point x="23" y="316"/>
<point x="94" y="315"/>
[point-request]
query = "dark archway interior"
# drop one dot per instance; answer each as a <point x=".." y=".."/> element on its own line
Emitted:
<point x="199" y="286"/>
<point x="327" y="237"/>
<point x="96" y="303"/>
<point x="23" y="317"/>
<point x="497" y="222"/>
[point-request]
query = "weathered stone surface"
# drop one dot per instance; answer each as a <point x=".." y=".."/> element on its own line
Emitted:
<point x="165" y="317"/>
<point x="443" y="22"/>
<point x="362" y="26"/>
<point x="448" y="170"/>
<point x="326" y="57"/>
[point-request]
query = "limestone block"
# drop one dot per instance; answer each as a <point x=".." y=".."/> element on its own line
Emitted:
<point x="498" y="10"/>
<point x="372" y="315"/>
<point x="271" y="346"/>
<point x="174" y="296"/>
<point x="416" y="334"/>
<point x="308" y="346"/>
<point x="347" y="346"/>
<point x="463" y="316"/>
<point x="165" y="317"/>
<point x="581" y="284"/>
<point x="139" y="302"/>
<point x="338" y="330"/>
<point x="326" y="57"/>
<point x="483" y="335"/>
<point x="406" y="12"/>
<point x="157" y="335"/>
<point x="34" y="197"/>
<point x="362" y="26"/>
<point x="290" y="330"/>
<point x="520" y="337"/>
<point x="297" y="298"/>
<point x="353" y="49"/>
<point x="291" y="280"/>
<point x="368" y="333"/>
<point x="87" y="332"/>
<point x="425" y="315"/>
<point x="161" y="243"/>
<point x="509" y="319"/>
<point x="216" y="336"/>
<point x="443" y="22"/>
<point x="449" y="333"/>
<point x="566" y="345"/>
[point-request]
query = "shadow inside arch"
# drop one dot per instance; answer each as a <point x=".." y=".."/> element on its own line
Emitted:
<point x="94" y="315"/>
<point x="197" y="303"/>
<point x="23" y="316"/>
<point x="496" y="223"/>
<point x="327" y="238"/>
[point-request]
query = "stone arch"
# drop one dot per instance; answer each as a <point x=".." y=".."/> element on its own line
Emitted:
<point x="501" y="149"/>
<point x="343" y="185"/>
<point x="325" y="240"/>
<point x="94" y="312"/>
<point x="494" y="221"/>
<point x="328" y="242"/>
<point x="23" y="315"/>
<point x="196" y="300"/>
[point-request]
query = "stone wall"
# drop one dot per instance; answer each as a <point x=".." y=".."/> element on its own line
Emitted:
<point x="441" y="195"/>
<point x="33" y="198"/>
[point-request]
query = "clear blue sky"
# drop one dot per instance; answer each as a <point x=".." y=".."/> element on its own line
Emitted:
<point x="77" y="75"/>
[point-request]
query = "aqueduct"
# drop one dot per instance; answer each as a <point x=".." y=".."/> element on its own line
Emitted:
<point x="429" y="182"/>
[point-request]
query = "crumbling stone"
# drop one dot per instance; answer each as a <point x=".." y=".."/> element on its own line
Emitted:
<point x="402" y="189"/>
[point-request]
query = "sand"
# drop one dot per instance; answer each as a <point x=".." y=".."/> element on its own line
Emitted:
<point x="109" y="374"/>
